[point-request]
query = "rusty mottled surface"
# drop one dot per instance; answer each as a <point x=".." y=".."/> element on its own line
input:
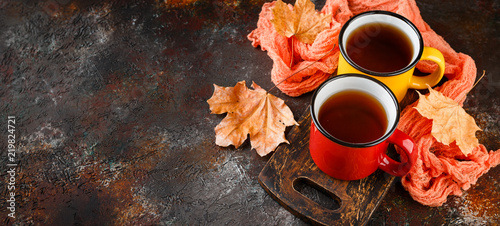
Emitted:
<point x="112" y="125"/>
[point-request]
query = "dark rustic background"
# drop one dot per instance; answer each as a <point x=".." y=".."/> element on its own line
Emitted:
<point x="113" y="128"/>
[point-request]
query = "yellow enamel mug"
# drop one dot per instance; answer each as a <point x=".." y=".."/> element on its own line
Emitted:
<point x="364" y="29"/>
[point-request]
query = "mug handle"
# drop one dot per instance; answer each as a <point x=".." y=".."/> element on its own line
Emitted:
<point x="432" y="54"/>
<point x="406" y="144"/>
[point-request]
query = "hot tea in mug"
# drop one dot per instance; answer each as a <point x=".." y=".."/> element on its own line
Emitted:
<point x="354" y="119"/>
<point x="353" y="116"/>
<point x="379" y="47"/>
<point x="387" y="46"/>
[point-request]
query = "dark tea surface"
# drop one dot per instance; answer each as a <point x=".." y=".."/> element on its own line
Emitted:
<point x="353" y="116"/>
<point x="379" y="47"/>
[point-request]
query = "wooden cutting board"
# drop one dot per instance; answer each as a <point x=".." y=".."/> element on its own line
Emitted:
<point x="292" y="178"/>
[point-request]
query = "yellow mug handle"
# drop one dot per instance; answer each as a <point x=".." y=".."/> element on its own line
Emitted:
<point x="432" y="54"/>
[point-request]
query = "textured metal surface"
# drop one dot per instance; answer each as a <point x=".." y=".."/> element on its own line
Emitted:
<point x="112" y="124"/>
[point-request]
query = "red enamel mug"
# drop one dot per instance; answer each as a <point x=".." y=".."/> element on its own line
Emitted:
<point x="347" y="160"/>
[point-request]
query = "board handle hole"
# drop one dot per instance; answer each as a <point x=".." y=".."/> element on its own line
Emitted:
<point x="316" y="193"/>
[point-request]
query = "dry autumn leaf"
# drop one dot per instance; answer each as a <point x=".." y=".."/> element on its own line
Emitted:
<point x="450" y="122"/>
<point x="255" y="112"/>
<point x="303" y="22"/>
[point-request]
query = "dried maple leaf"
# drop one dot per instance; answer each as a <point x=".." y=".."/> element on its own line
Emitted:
<point x="303" y="22"/>
<point x="253" y="112"/>
<point x="450" y="121"/>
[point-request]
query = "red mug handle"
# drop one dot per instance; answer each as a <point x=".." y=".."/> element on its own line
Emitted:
<point x="406" y="144"/>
